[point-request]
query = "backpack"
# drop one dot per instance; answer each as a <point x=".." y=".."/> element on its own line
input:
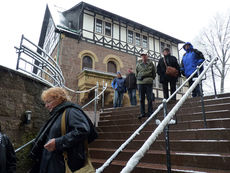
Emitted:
<point x="199" y="54"/>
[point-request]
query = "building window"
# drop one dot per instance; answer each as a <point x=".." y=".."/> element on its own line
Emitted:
<point x="145" y="41"/>
<point x="108" y="29"/>
<point x="87" y="62"/>
<point x="162" y="46"/>
<point x="169" y="46"/>
<point x="130" y="37"/>
<point x="99" y="26"/>
<point x="112" y="67"/>
<point x="138" y="39"/>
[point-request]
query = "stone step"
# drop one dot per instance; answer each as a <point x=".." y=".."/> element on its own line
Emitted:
<point x="117" y="165"/>
<point x="181" y="111"/>
<point x="209" y="146"/>
<point x="199" y="160"/>
<point x="132" y="119"/>
<point x="192" y="134"/>
<point x="193" y="102"/>
<point x="195" y="124"/>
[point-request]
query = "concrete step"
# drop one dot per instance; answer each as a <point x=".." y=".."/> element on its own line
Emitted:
<point x="132" y="119"/>
<point x="188" y="104"/>
<point x="199" y="160"/>
<point x="192" y="134"/>
<point x="195" y="124"/>
<point x="181" y="111"/>
<point x="209" y="146"/>
<point x="117" y="165"/>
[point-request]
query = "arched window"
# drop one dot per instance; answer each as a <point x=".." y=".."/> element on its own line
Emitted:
<point x="87" y="62"/>
<point x="112" y="67"/>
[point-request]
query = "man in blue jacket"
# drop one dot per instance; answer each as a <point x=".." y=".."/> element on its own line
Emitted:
<point x="191" y="59"/>
<point x="118" y="84"/>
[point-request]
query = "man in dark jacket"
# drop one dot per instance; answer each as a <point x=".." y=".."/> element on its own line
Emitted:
<point x="131" y="85"/>
<point x="7" y="155"/>
<point x="118" y="84"/>
<point x="191" y="59"/>
<point x="50" y="144"/>
<point x="145" y="73"/>
<point x="164" y="78"/>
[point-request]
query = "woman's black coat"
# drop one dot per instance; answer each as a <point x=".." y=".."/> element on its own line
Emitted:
<point x="78" y="128"/>
<point x="161" y="68"/>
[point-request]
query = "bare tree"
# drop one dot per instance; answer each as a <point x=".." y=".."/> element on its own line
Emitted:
<point x="214" y="41"/>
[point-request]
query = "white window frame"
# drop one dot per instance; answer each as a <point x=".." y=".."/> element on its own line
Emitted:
<point x="96" y="31"/>
<point x="128" y="38"/>
<point x="147" y="45"/>
<point x="139" y="44"/>
<point x="110" y="29"/>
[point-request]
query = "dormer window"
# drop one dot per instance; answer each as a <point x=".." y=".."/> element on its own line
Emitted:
<point x="138" y="39"/>
<point x="130" y="37"/>
<point x="108" y="29"/>
<point x="145" y="41"/>
<point x="99" y="26"/>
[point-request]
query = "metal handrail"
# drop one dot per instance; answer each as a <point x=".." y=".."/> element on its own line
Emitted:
<point x="134" y="160"/>
<point x="95" y="98"/>
<point x="137" y="132"/>
<point x="48" y="66"/>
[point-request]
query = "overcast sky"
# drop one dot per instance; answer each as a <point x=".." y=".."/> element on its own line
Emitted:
<point x="178" y="18"/>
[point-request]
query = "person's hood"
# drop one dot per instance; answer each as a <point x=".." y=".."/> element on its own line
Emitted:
<point x="191" y="46"/>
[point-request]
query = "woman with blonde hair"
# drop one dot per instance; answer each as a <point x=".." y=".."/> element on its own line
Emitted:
<point x="52" y="141"/>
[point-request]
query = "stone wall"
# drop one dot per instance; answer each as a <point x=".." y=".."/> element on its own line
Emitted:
<point x="20" y="93"/>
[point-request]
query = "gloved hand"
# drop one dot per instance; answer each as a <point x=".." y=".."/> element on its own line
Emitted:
<point x="139" y="77"/>
<point x="200" y="61"/>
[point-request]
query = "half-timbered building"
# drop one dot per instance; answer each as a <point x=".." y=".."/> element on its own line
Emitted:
<point x="91" y="44"/>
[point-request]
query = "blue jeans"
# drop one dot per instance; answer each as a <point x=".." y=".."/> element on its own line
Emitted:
<point x="117" y="99"/>
<point x="196" y="92"/>
<point x="132" y="96"/>
<point x="145" y="89"/>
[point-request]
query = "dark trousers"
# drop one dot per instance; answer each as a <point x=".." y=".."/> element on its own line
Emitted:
<point x="145" y="89"/>
<point x="132" y="96"/>
<point x="196" y="92"/>
<point x="118" y="99"/>
<point x="166" y="89"/>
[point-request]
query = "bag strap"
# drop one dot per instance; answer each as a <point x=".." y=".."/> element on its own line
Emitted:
<point x="165" y="62"/>
<point x="63" y="132"/>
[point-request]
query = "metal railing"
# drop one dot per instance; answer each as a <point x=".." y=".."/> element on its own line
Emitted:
<point x="39" y="65"/>
<point x="159" y="108"/>
<point x="134" y="160"/>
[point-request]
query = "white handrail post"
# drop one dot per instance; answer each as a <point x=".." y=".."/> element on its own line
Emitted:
<point x="103" y="97"/>
<point x="95" y="104"/>
<point x="213" y="77"/>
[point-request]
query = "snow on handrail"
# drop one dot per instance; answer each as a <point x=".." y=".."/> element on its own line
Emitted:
<point x="97" y="97"/>
<point x="79" y="92"/>
<point x="134" y="160"/>
<point x="137" y="132"/>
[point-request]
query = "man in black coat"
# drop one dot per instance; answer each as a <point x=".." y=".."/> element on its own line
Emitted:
<point x="7" y="155"/>
<point x="164" y="78"/>
<point x="131" y="85"/>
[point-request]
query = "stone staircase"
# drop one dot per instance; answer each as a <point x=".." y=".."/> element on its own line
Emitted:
<point x="193" y="147"/>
